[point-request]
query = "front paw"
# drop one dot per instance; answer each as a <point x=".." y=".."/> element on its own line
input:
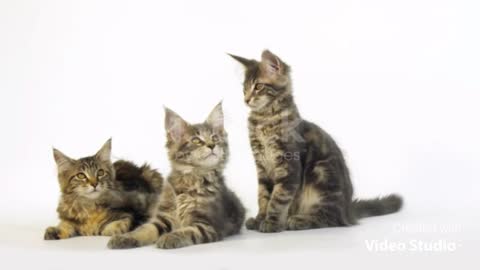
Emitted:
<point x="51" y="233"/>
<point x="173" y="240"/>
<point x="296" y="223"/>
<point x="268" y="226"/>
<point x="116" y="227"/>
<point x="252" y="224"/>
<point x="122" y="242"/>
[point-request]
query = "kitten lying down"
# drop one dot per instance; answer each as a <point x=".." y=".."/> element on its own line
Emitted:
<point x="135" y="206"/>
<point x="90" y="185"/>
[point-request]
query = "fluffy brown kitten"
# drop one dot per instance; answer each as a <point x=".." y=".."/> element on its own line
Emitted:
<point x="206" y="210"/>
<point x="303" y="179"/>
<point x="87" y="186"/>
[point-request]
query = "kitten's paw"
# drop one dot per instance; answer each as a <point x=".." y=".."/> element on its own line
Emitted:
<point x="51" y="233"/>
<point x="173" y="240"/>
<point x="122" y="242"/>
<point x="295" y="223"/>
<point x="268" y="226"/>
<point x="252" y="224"/>
<point x="116" y="227"/>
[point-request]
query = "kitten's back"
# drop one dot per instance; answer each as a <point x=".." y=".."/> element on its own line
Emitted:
<point x="134" y="178"/>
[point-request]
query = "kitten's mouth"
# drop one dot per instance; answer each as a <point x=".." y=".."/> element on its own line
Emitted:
<point x="210" y="155"/>
<point x="92" y="194"/>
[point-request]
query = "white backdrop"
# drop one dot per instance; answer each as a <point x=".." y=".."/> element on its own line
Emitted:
<point x="395" y="82"/>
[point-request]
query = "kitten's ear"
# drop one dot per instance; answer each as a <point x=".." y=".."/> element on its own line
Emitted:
<point x="62" y="160"/>
<point x="272" y="64"/>
<point x="244" y="61"/>
<point x="215" y="118"/>
<point x="105" y="152"/>
<point x="175" y="126"/>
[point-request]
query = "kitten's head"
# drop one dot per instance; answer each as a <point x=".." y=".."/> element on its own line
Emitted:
<point x="202" y="145"/>
<point x="88" y="176"/>
<point x="265" y="81"/>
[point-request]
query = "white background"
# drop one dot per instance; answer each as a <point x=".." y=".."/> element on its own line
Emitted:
<point x="395" y="82"/>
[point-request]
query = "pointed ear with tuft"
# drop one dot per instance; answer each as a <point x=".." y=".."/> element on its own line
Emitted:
<point x="215" y="118"/>
<point x="175" y="126"/>
<point x="244" y="61"/>
<point x="271" y="64"/>
<point x="62" y="160"/>
<point x="105" y="152"/>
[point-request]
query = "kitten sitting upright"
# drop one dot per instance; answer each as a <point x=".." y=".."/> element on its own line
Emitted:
<point x="205" y="209"/>
<point x="303" y="179"/>
<point x="87" y="187"/>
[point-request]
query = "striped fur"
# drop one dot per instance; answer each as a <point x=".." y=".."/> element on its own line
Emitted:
<point x="83" y="182"/>
<point x="195" y="206"/>
<point x="303" y="179"/>
<point x="207" y="210"/>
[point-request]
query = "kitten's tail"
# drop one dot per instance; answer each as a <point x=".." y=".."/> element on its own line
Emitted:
<point x="135" y="178"/>
<point x="378" y="206"/>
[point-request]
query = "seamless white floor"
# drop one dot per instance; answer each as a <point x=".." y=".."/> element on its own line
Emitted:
<point x="454" y="245"/>
<point x="396" y="83"/>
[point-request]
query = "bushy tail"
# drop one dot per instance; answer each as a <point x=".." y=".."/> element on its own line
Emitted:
<point x="377" y="207"/>
<point x="134" y="178"/>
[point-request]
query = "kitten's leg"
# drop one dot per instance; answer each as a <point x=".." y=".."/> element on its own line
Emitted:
<point x="196" y="234"/>
<point x="322" y="202"/>
<point x="287" y="178"/>
<point x="265" y="187"/>
<point x="145" y="234"/>
<point x="305" y="222"/>
<point x="62" y="231"/>
<point x="117" y="227"/>
<point x="327" y="216"/>
<point x="282" y="197"/>
<point x="163" y="220"/>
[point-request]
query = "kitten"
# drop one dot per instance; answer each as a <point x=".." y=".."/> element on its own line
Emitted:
<point x="206" y="210"/>
<point x="87" y="185"/>
<point x="303" y="179"/>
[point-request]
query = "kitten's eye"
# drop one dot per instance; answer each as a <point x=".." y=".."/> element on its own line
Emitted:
<point x="196" y="140"/>
<point x="215" y="138"/>
<point x="100" y="172"/>
<point x="259" y="86"/>
<point x="81" y="176"/>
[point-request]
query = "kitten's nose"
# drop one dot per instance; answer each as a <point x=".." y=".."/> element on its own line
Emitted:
<point x="248" y="98"/>
<point x="94" y="185"/>
<point x="211" y="146"/>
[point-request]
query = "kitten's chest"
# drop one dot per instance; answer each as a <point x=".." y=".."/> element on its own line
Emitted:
<point x="194" y="194"/>
<point x="267" y="146"/>
<point x="87" y="216"/>
<point x="92" y="221"/>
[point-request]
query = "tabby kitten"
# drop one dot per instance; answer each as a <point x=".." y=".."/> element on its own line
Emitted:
<point x="206" y="210"/>
<point x="88" y="187"/>
<point x="303" y="179"/>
